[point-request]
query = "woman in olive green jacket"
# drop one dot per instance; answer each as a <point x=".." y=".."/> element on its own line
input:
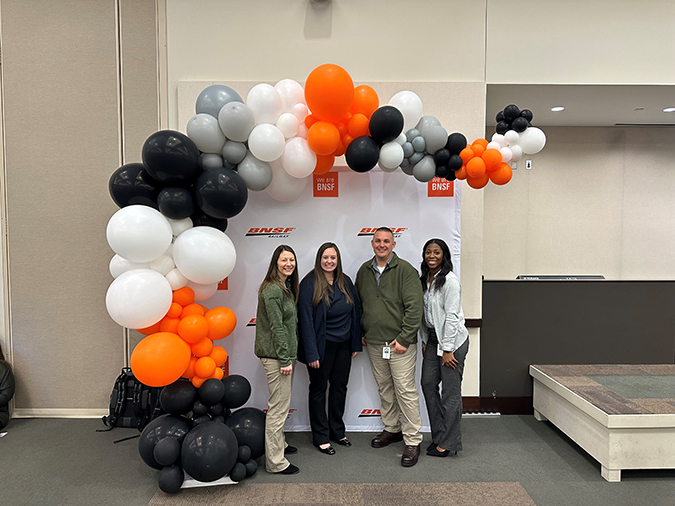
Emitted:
<point x="276" y="344"/>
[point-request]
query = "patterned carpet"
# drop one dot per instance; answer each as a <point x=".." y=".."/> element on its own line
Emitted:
<point x="358" y="494"/>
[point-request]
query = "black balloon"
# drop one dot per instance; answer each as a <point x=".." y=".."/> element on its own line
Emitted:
<point x="386" y="124"/>
<point x="442" y="156"/>
<point x="248" y="424"/>
<point x="238" y="472"/>
<point x="527" y="114"/>
<point x="500" y="116"/>
<point x="178" y="397"/>
<point x="131" y="184"/>
<point x="171" y="158"/>
<point x="362" y="154"/>
<point x="209" y="451"/>
<point x="441" y="171"/>
<point x="199" y="219"/>
<point x="221" y="193"/>
<point x="511" y="112"/>
<point x="251" y="467"/>
<point x="219" y="419"/>
<point x="216" y="410"/>
<point x="211" y="392"/>
<point x="455" y="163"/>
<point x="451" y="176"/>
<point x="199" y="408"/>
<point x="167" y="451"/>
<point x="502" y="127"/>
<point x="176" y="203"/>
<point x="456" y="143"/>
<point x="161" y="427"/>
<point x="519" y="124"/>
<point x="202" y="419"/>
<point x="171" y="479"/>
<point x="244" y="454"/>
<point x="237" y="391"/>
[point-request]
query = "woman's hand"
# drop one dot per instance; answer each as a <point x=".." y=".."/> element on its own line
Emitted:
<point x="449" y="359"/>
<point x="286" y="370"/>
<point x="314" y="365"/>
<point x="354" y="354"/>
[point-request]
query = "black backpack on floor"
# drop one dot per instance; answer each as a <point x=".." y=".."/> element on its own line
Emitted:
<point x="132" y="404"/>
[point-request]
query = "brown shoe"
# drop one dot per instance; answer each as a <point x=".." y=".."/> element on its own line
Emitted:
<point x="385" y="438"/>
<point x="410" y="455"/>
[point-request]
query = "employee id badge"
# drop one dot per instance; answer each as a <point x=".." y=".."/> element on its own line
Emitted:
<point x="386" y="352"/>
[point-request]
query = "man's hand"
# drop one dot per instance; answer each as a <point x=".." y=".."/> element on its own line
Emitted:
<point x="398" y="348"/>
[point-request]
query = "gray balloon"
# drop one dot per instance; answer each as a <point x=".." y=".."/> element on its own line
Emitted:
<point x="426" y="122"/>
<point x="405" y="164"/>
<point x="213" y="98"/>
<point x="436" y="137"/>
<point x="408" y="149"/>
<point x="236" y="120"/>
<point x="234" y="152"/>
<point x="408" y="169"/>
<point x="425" y="170"/>
<point x="256" y="174"/>
<point x="416" y="157"/>
<point x="210" y="161"/>
<point x="411" y="134"/>
<point x="419" y="144"/>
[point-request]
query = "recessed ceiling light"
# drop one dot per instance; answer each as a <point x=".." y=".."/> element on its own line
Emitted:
<point x="639" y="109"/>
<point x="557" y="109"/>
<point x="669" y="109"/>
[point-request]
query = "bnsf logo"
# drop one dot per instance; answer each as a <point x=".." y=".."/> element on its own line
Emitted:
<point x="371" y="231"/>
<point x="269" y="231"/>
<point x="369" y="412"/>
<point x="251" y="323"/>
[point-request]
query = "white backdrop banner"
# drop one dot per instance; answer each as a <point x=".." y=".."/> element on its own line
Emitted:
<point x="364" y="203"/>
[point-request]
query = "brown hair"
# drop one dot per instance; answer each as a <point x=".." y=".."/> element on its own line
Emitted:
<point x="272" y="276"/>
<point x="2" y="357"/>
<point x="321" y="285"/>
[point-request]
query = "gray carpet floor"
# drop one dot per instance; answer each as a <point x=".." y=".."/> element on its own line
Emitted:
<point x="59" y="461"/>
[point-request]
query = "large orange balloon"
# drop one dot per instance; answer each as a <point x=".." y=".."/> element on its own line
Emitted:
<point x="358" y="126"/>
<point x="323" y="137"/>
<point x="184" y="296"/>
<point x="160" y="359"/>
<point x="219" y="355"/>
<point x="365" y="101"/>
<point x="193" y="328"/>
<point x="492" y="159"/>
<point x="501" y="176"/>
<point x="323" y="164"/>
<point x="222" y="322"/>
<point x="478" y="182"/>
<point x="329" y="92"/>
<point x="475" y="168"/>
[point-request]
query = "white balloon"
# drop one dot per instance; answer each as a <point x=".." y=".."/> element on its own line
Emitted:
<point x="169" y="250"/>
<point x="391" y="155"/>
<point x="119" y="265"/>
<point x="265" y="103"/>
<point x="532" y="140"/>
<point x="284" y="187"/>
<point x="138" y="233"/>
<point x="401" y="139"/>
<point x="499" y="139"/>
<point x="204" y="255"/>
<point x="302" y="130"/>
<point x="266" y="142"/>
<point x="516" y="152"/>
<point x="410" y="105"/>
<point x="493" y="145"/>
<point x="300" y="111"/>
<point x="511" y="137"/>
<point x="291" y="93"/>
<point x="179" y="226"/>
<point x="205" y="132"/>
<point x="163" y="265"/>
<point x="138" y="298"/>
<point x="203" y="292"/>
<point x="385" y="169"/>
<point x="176" y="279"/>
<point x="298" y="159"/>
<point x="507" y="154"/>
<point x="288" y="124"/>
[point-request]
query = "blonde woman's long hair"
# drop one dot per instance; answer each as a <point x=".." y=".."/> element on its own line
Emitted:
<point x="321" y="285"/>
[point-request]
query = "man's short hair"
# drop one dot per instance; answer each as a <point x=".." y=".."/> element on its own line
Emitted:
<point x="383" y="229"/>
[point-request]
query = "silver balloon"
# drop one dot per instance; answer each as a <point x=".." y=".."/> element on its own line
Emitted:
<point x="411" y="134"/>
<point x="204" y="131"/>
<point x="426" y="122"/>
<point x="256" y="174"/>
<point x="210" y="161"/>
<point x="425" y="169"/>
<point x="407" y="167"/>
<point x="213" y="98"/>
<point x="236" y="120"/>
<point x="234" y="152"/>
<point x="408" y="149"/>
<point x="435" y="137"/>
<point x="416" y="157"/>
<point x="419" y="144"/>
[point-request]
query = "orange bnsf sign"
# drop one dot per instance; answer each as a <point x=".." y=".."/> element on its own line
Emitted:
<point x="371" y="231"/>
<point x="270" y="231"/>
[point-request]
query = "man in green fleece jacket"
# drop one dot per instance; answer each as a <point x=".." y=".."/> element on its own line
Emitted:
<point x="391" y="297"/>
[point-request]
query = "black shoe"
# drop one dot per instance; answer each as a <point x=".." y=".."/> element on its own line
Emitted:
<point x="344" y="442"/>
<point x="291" y="469"/>
<point x="328" y="451"/>
<point x="431" y="446"/>
<point x="290" y="450"/>
<point x="435" y="453"/>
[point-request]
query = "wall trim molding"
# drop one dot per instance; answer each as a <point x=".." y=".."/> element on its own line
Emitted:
<point x="58" y="413"/>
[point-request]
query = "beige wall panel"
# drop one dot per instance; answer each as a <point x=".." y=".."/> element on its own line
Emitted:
<point x="581" y="42"/>
<point x="60" y="84"/>
<point x="138" y="28"/>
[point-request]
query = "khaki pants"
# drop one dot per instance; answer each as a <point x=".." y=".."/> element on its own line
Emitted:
<point x="277" y="411"/>
<point x="396" y="385"/>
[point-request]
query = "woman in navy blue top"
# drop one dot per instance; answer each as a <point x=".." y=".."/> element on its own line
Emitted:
<point x="330" y="337"/>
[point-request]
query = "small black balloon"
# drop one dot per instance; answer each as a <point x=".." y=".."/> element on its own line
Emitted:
<point x="511" y="112"/>
<point x="527" y="114"/>
<point x="171" y="158"/>
<point x="167" y="451"/>
<point x="442" y="156"/>
<point x="251" y="467"/>
<point x="219" y="419"/>
<point x="441" y="171"/>
<point x="244" y="454"/>
<point x="455" y="163"/>
<point x="237" y="391"/>
<point x="386" y="123"/>
<point x="175" y="203"/>
<point x="362" y="154"/>
<point x="502" y="127"/>
<point x="199" y="219"/>
<point x="199" y="408"/>
<point x="202" y="419"/>
<point x="161" y="427"/>
<point x="519" y="124"/>
<point x="216" y="409"/>
<point x="456" y="143"/>
<point x="221" y="193"/>
<point x="211" y="392"/>
<point x="500" y="116"/>
<point x="178" y="397"/>
<point x="248" y="424"/>
<point x="451" y="176"/>
<point x="171" y="479"/>
<point x="209" y="451"/>
<point x="132" y="185"/>
<point x="238" y="472"/>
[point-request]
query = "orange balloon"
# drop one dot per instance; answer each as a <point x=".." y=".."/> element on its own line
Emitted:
<point x="192" y="309"/>
<point x="480" y="142"/>
<point x="160" y="359"/>
<point x="477" y="149"/>
<point x="193" y="328"/>
<point x="323" y="137"/>
<point x="340" y="149"/>
<point x="204" y="367"/>
<point x="492" y="159"/>
<point x="329" y="92"/>
<point x="501" y="176"/>
<point x="197" y="381"/>
<point x="310" y="119"/>
<point x="219" y="355"/>
<point x="151" y="329"/>
<point x="342" y="127"/>
<point x="478" y="182"/>
<point x="323" y="164"/>
<point x="218" y="373"/>
<point x="365" y="101"/>
<point x="222" y="322"/>
<point x="358" y="125"/>
<point x="175" y="310"/>
<point x="169" y="325"/>
<point x="202" y="348"/>
<point x="184" y="296"/>
<point x="461" y="173"/>
<point x="475" y="168"/>
<point x="190" y="369"/>
<point x="466" y="154"/>
<point x="346" y="140"/>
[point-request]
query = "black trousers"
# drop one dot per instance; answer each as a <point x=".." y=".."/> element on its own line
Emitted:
<point x="332" y="375"/>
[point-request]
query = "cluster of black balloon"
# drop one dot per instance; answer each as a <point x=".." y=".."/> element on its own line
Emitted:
<point x="173" y="180"/>
<point x="199" y="436"/>
<point x="385" y="125"/>
<point x="512" y="118"/>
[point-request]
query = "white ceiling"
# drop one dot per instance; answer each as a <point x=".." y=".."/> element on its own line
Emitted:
<point x="585" y="105"/>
